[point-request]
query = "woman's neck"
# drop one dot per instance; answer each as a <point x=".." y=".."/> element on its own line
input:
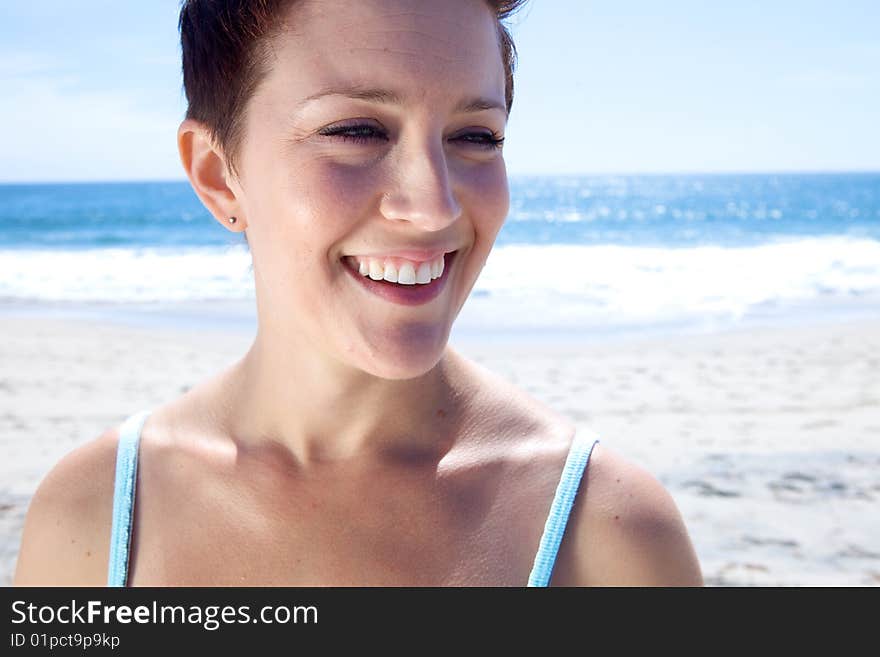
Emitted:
<point x="324" y="411"/>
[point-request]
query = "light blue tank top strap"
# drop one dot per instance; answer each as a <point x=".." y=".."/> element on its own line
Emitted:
<point x="123" y="497"/>
<point x="572" y="473"/>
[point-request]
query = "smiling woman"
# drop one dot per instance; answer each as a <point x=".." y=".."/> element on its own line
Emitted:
<point x="359" y="146"/>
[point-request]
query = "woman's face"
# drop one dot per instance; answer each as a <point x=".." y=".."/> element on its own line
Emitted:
<point x="418" y="174"/>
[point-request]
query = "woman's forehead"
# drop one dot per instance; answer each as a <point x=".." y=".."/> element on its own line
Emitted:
<point x="349" y="20"/>
<point x="392" y="44"/>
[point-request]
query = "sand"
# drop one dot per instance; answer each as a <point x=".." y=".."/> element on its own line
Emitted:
<point x="767" y="439"/>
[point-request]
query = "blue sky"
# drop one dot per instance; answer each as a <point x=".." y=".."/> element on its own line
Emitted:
<point x="92" y="90"/>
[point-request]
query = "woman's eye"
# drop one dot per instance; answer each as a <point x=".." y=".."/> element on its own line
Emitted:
<point x="356" y="133"/>
<point x="484" y="139"/>
<point x="361" y="134"/>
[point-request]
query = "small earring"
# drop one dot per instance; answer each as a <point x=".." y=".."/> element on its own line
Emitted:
<point x="232" y="220"/>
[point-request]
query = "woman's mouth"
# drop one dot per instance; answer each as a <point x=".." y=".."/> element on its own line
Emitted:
<point x="414" y="294"/>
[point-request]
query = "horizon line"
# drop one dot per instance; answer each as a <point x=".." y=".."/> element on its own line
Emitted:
<point x="522" y="174"/>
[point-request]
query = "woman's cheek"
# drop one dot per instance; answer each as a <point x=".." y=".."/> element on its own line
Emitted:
<point x="344" y="192"/>
<point x="487" y="195"/>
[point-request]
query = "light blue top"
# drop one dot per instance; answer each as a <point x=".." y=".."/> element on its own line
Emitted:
<point x="123" y="498"/>
<point x="572" y="473"/>
<point x="126" y="478"/>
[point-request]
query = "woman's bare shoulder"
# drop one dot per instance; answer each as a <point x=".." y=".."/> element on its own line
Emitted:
<point x="66" y="534"/>
<point x="625" y="530"/>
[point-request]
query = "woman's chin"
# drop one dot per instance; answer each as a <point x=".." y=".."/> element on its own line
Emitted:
<point x="409" y="353"/>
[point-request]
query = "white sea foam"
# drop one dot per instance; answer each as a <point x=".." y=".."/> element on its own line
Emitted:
<point x="126" y="275"/>
<point x="623" y="287"/>
<point x="521" y="286"/>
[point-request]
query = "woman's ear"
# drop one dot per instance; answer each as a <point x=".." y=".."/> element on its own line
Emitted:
<point x="206" y="169"/>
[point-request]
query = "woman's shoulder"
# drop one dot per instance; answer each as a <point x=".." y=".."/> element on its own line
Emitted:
<point x="66" y="536"/>
<point x="624" y="530"/>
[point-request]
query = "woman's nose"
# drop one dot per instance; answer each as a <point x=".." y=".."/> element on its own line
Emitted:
<point x="420" y="191"/>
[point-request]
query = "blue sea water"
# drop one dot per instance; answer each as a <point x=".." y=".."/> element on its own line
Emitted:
<point x="585" y="255"/>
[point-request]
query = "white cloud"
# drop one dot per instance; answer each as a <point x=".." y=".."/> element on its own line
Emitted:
<point x="830" y="79"/>
<point x="16" y="64"/>
<point x="53" y="129"/>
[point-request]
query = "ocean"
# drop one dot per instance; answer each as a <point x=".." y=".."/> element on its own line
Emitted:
<point x="595" y="257"/>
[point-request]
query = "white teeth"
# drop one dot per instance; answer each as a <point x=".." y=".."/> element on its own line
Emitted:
<point x="408" y="274"/>
<point x="390" y="274"/>
<point x="424" y="273"/>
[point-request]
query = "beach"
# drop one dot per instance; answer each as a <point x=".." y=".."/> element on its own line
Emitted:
<point x="768" y="438"/>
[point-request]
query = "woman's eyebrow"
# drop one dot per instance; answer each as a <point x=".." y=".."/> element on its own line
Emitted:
<point x="387" y="96"/>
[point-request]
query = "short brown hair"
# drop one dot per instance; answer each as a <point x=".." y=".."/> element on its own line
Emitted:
<point x="224" y="59"/>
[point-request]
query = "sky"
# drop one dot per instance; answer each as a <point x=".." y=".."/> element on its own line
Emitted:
<point x="91" y="90"/>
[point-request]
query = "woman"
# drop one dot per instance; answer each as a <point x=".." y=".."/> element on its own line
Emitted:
<point x="359" y="147"/>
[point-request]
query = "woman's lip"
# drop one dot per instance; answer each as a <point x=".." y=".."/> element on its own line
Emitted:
<point x="416" y="255"/>
<point x="351" y="262"/>
<point x="405" y="295"/>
